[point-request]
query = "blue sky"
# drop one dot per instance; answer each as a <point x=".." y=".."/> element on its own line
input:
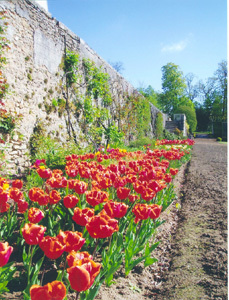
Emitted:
<point x="147" y="34"/>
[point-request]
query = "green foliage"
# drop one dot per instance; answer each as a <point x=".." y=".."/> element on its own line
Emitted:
<point x="159" y="126"/>
<point x="97" y="83"/>
<point x="71" y="67"/>
<point x="139" y="143"/>
<point x="6" y="275"/>
<point x="169" y="136"/>
<point x="45" y="147"/>
<point x="135" y="115"/>
<point x="150" y="94"/>
<point x="173" y="85"/>
<point x="190" y="114"/>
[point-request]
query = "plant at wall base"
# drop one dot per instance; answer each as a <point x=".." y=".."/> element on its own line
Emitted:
<point x="159" y="126"/>
<point x="135" y="116"/>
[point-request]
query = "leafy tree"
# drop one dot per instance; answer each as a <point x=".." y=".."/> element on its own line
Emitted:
<point x="173" y="85"/>
<point x="150" y="94"/>
<point x="190" y="113"/>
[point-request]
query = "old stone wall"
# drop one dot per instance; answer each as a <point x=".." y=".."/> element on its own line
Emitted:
<point x="35" y="76"/>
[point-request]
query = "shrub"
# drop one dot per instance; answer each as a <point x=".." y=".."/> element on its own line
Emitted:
<point x="159" y="126"/>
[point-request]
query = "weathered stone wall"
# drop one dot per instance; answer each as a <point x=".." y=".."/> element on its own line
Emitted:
<point x="35" y="76"/>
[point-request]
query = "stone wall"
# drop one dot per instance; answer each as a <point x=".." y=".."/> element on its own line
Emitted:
<point x="35" y="76"/>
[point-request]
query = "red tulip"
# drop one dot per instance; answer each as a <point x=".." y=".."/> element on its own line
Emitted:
<point x="22" y="206"/>
<point x="4" y="196"/>
<point x="173" y="171"/>
<point x="35" y="215"/>
<point x="95" y="197"/>
<point x="5" y="252"/>
<point x="155" y="211"/>
<point x="123" y="193"/>
<point x="70" y="201"/>
<point x="38" y="195"/>
<point x="115" y="209"/>
<point x="80" y="187"/>
<point x="72" y="240"/>
<point x="33" y="233"/>
<point x="81" y="216"/>
<point x="15" y="194"/>
<point x="54" y="197"/>
<point x="44" y="173"/>
<point x="82" y="276"/>
<point x="55" y="290"/>
<point x="52" y="247"/>
<point x="167" y="178"/>
<point x="74" y="256"/>
<point x="101" y="226"/>
<point x="133" y="198"/>
<point x="17" y="183"/>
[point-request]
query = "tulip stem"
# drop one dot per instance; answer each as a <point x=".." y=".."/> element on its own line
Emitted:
<point x="77" y="295"/>
<point x="64" y="268"/>
<point x="94" y="252"/>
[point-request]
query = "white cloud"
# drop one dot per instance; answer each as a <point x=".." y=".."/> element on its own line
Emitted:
<point x="175" y="47"/>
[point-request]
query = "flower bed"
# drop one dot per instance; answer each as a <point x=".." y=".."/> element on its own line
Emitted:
<point x="82" y="223"/>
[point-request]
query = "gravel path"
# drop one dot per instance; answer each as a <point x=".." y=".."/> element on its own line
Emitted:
<point x="198" y="268"/>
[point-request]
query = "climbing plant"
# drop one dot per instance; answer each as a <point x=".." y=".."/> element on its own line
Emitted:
<point x="135" y="116"/>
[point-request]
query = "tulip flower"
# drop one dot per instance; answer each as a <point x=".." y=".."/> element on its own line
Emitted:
<point x="38" y="195"/>
<point x="70" y="201"/>
<point x="82" y="276"/>
<point x="148" y="194"/>
<point x="15" y="194"/>
<point x="71" y="170"/>
<point x="55" y="290"/>
<point x="74" y="256"/>
<point x="123" y="193"/>
<point x="81" y="216"/>
<point x="167" y="178"/>
<point x="35" y="215"/>
<point x="132" y="198"/>
<point x="5" y="252"/>
<point x="155" y="211"/>
<point x="4" y="206"/>
<point x="22" y="206"/>
<point x="52" y="247"/>
<point x="44" y="173"/>
<point x="4" y="196"/>
<point x="144" y="211"/>
<point x="80" y="187"/>
<point x="173" y="171"/>
<point x="17" y="183"/>
<point x="115" y="209"/>
<point x="72" y="240"/>
<point x="54" y="197"/>
<point x="33" y="234"/>
<point x="95" y="197"/>
<point x="102" y="226"/>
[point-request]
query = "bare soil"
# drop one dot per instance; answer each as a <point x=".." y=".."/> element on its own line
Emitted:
<point x="192" y="256"/>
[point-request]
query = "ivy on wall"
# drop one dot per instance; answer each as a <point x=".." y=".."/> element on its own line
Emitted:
<point x="92" y="109"/>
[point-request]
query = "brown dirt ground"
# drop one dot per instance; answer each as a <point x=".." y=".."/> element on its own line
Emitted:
<point x="192" y="257"/>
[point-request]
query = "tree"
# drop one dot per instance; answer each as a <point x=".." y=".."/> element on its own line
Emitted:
<point x="191" y="89"/>
<point x="150" y="94"/>
<point x="173" y="85"/>
<point x="190" y="113"/>
<point x="221" y="86"/>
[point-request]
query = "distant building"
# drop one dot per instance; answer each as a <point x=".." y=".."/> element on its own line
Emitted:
<point x="43" y="3"/>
